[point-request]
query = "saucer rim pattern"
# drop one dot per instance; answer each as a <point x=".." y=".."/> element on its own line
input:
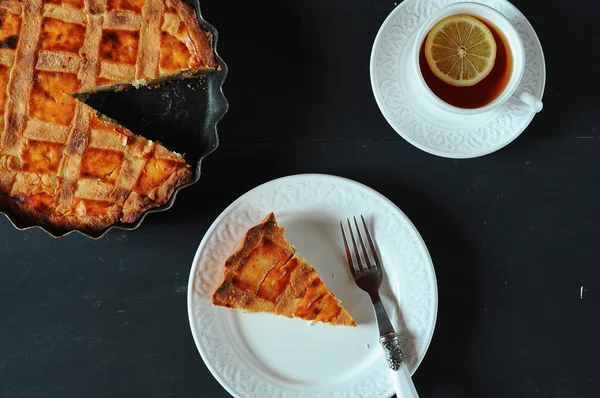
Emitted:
<point x="502" y="128"/>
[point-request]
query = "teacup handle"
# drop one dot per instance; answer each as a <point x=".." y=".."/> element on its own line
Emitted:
<point x="530" y="100"/>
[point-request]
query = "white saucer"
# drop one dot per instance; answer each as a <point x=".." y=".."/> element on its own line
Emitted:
<point x="262" y="355"/>
<point x="424" y="126"/>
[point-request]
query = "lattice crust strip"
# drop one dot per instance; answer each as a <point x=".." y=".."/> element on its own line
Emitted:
<point x="60" y="164"/>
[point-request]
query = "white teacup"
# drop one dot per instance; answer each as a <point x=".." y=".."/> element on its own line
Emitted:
<point x="514" y="42"/>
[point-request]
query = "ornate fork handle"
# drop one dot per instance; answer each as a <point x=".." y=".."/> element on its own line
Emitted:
<point x="388" y="337"/>
<point x="390" y="342"/>
<point x="393" y="353"/>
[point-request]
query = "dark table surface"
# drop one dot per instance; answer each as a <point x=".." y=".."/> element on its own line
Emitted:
<point x="513" y="235"/>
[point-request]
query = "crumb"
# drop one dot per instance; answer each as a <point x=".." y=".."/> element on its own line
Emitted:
<point x="310" y="323"/>
<point x="368" y="346"/>
<point x="333" y="275"/>
<point x="484" y="222"/>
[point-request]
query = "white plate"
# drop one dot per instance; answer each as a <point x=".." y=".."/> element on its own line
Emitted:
<point x="424" y="126"/>
<point x="262" y="355"/>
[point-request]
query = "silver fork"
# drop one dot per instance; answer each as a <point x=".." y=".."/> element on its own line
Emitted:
<point x="368" y="275"/>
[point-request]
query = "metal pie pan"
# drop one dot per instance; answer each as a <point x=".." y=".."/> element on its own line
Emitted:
<point x="182" y="114"/>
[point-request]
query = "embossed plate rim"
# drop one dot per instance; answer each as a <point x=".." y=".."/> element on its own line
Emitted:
<point x="205" y="323"/>
<point x="475" y="134"/>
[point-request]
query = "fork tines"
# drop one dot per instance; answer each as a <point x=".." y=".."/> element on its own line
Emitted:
<point x="359" y="265"/>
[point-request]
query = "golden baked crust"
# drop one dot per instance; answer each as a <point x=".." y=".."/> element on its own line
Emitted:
<point x="60" y="164"/>
<point x="265" y="274"/>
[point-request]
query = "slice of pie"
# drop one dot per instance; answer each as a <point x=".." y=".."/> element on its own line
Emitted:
<point x="265" y="274"/>
<point x="60" y="163"/>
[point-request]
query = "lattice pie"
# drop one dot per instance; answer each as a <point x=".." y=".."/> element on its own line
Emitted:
<point x="60" y="163"/>
<point x="265" y="274"/>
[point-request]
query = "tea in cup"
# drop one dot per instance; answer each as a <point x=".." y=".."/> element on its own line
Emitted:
<point x="470" y="59"/>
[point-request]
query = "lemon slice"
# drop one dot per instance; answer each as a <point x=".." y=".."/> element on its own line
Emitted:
<point x="460" y="50"/>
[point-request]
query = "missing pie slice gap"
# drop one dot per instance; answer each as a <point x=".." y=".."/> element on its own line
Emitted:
<point x="62" y="164"/>
<point x="266" y="274"/>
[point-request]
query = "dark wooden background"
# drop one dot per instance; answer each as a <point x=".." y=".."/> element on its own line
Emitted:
<point x="513" y="235"/>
